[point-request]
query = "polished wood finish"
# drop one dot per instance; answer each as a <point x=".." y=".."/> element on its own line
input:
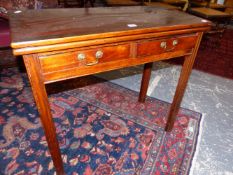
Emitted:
<point x="182" y="83"/>
<point x="229" y="6"/>
<point x="71" y="42"/>
<point x="60" y="44"/>
<point x="92" y="25"/>
<point x="195" y="3"/>
<point x="88" y="70"/>
<point x="145" y="82"/>
<point x="69" y="59"/>
<point x="217" y="6"/>
<point x="162" y="5"/>
<point x="209" y="13"/>
<point x="42" y="103"/>
<point x="220" y="19"/>
<point x="122" y="3"/>
<point x="183" y="43"/>
<point x="178" y="3"/>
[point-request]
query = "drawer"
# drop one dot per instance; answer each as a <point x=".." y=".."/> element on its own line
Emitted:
<point x="83" y="57"/>
<point x="155" y="47"/>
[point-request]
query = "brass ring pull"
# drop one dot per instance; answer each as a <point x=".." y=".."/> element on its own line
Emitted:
<point x="174" y="43"/>
<point x="170" y="49"/>
<point x="93" y="63"/>
<point x="163" y="45"/>
<point x="99" y="54"/>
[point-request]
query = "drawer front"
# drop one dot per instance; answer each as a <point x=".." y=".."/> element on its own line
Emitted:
<point x="83" y="58"/>
<point x="155" y="47"/>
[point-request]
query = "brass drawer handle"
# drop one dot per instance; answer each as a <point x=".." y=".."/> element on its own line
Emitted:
<point x="163" y="45"/>
<point x="81" y="56"/>
<point x="174" y="43"/>
<point x="99" y="54"/>
<point x="93" y="63"/>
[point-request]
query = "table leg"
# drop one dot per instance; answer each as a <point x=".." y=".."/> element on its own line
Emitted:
<point x="145" y="82"/>
<point x="182" y="83"/>
<point x="41" y="99"/>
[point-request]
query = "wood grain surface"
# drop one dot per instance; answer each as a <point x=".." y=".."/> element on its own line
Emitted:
<point x="59" y="44"/>
<point x="53" y="26"/>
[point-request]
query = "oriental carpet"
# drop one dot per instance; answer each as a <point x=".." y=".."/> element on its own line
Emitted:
<point x="101" y="129"/>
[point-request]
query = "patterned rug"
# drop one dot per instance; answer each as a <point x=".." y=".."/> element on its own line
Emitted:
<point x="101" y="128"/>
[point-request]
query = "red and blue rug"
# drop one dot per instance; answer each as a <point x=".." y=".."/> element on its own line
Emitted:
<point x="101" y="128"/>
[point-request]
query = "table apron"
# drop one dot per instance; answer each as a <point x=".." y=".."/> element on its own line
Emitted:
<point x="74" y="72"/>
<point x="76" y="62"/>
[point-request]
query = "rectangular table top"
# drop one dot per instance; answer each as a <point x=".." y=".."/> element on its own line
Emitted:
<point x="50" y="25"/>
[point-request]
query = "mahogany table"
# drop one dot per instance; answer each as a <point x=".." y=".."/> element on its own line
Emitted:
<point x="59" y="44"/>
